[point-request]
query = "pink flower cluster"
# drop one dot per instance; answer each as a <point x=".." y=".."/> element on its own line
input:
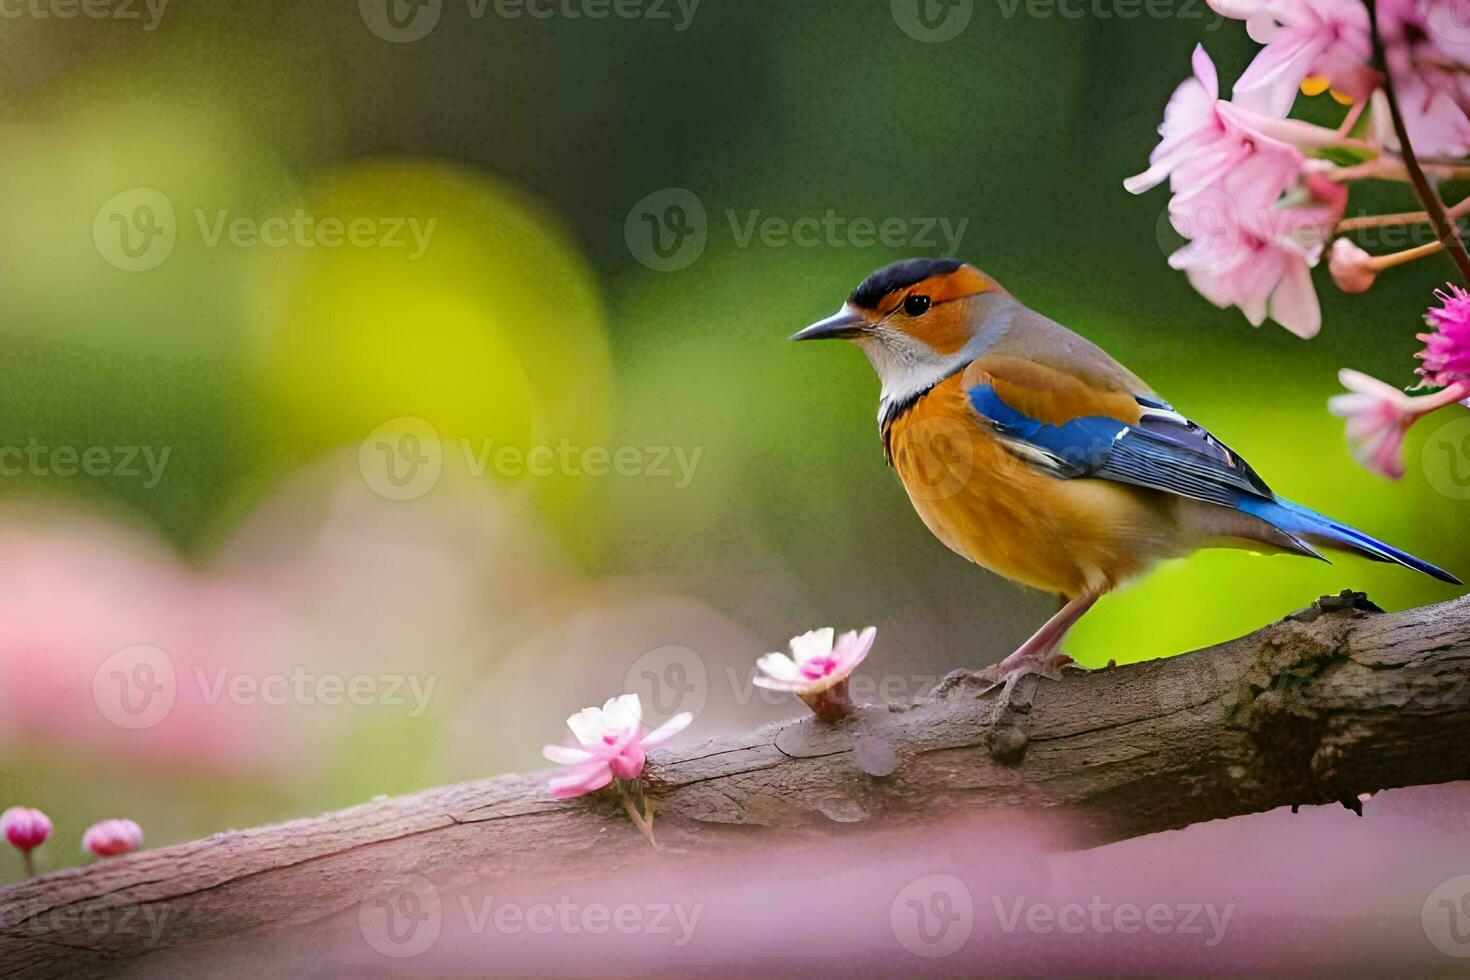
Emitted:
<point x="1323" y="43"/>
<point x="1255" y="206"/>
<point x="1256" y="213"/>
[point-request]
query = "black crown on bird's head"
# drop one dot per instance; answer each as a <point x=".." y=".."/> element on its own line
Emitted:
<point x="899" y="275"/>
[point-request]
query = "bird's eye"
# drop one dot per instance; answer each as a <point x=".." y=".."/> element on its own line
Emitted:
<point x="916" y="305"/>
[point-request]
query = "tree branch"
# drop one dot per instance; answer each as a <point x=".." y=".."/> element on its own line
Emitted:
<point x="1444" y="225"/>
<point x="1332" y="702"/>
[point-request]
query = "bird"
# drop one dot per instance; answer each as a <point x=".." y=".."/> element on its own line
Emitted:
<point x="1027" y="449"/>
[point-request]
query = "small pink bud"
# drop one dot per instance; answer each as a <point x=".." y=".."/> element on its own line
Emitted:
<point x="628" y="764"/>
<point x="25" y="827"/>
<point x="112" y="837"/>
<point x="1352" y="268"/>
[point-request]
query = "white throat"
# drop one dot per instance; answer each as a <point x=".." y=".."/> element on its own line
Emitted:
<point x="907" y="367"/>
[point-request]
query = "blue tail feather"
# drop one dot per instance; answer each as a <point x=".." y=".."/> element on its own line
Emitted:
<point x="1296" y="519"/>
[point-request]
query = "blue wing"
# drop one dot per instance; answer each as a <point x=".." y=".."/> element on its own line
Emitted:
<point x="1163" y="451"/>
<point x="1167" y="452"/>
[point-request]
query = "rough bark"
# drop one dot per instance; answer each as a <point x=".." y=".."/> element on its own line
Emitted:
<point x="1332" y="702"/>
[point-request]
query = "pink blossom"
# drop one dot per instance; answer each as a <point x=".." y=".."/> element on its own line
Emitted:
<point x="1377" y="416"/>
<point x="25" y="827"/>
<point x="1191" y="126"/>
<point x="1302" y="38"/>
<point x="1437" y="125"/>
<point x="1446" y="354"/>
<point x="112" y="837"/>
<point x="612" y="744"/>
<point x="1351" y="267"/>
<point x="816" y="663"/>
<point x="1253" y="248"/>
<point x="1424" y="40"/>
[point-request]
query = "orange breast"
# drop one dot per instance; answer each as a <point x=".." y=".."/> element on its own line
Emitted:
<point x="987" y="504"/>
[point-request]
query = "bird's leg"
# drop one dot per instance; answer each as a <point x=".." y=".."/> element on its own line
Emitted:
<point x="1040" y="655"/>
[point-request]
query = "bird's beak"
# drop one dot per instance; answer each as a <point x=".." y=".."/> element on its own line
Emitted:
<point x="844" y="324"/>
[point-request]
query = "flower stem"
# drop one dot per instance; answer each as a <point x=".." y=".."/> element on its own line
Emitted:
<point x="1456" y="392"/>
<point x="1402" y="218"/>
<point x="1444" y="226"/>
<point x="1381" y="262"/>
<point x="831" y="705"/>
<point x="1352" y="117"/>
<point x="30" y="863"/>
<point x="642" y="822"/>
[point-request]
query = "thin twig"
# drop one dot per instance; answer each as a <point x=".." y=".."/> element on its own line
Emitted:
<point x="1444" y="226"/>
<point x="1402" y="218"/>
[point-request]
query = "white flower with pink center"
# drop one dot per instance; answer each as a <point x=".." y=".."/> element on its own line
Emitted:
<point x="816" y="662"/>
<point x="611" y="745"/>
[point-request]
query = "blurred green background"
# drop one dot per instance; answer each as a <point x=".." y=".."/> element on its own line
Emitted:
<point x="530" y="319"/>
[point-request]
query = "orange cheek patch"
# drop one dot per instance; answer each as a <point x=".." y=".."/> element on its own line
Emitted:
<point x="943" y="328"/>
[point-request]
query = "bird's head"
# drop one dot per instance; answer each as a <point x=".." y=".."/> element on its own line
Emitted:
<point x="917" y="320"/>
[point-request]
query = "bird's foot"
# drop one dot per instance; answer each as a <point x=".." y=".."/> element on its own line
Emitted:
<point x="1009" y="672"/>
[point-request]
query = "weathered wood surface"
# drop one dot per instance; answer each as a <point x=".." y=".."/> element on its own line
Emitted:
<point x="1327" y="704"/>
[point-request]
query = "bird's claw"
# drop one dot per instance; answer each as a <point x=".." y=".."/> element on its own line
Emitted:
<point x="1049" y="666"/>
